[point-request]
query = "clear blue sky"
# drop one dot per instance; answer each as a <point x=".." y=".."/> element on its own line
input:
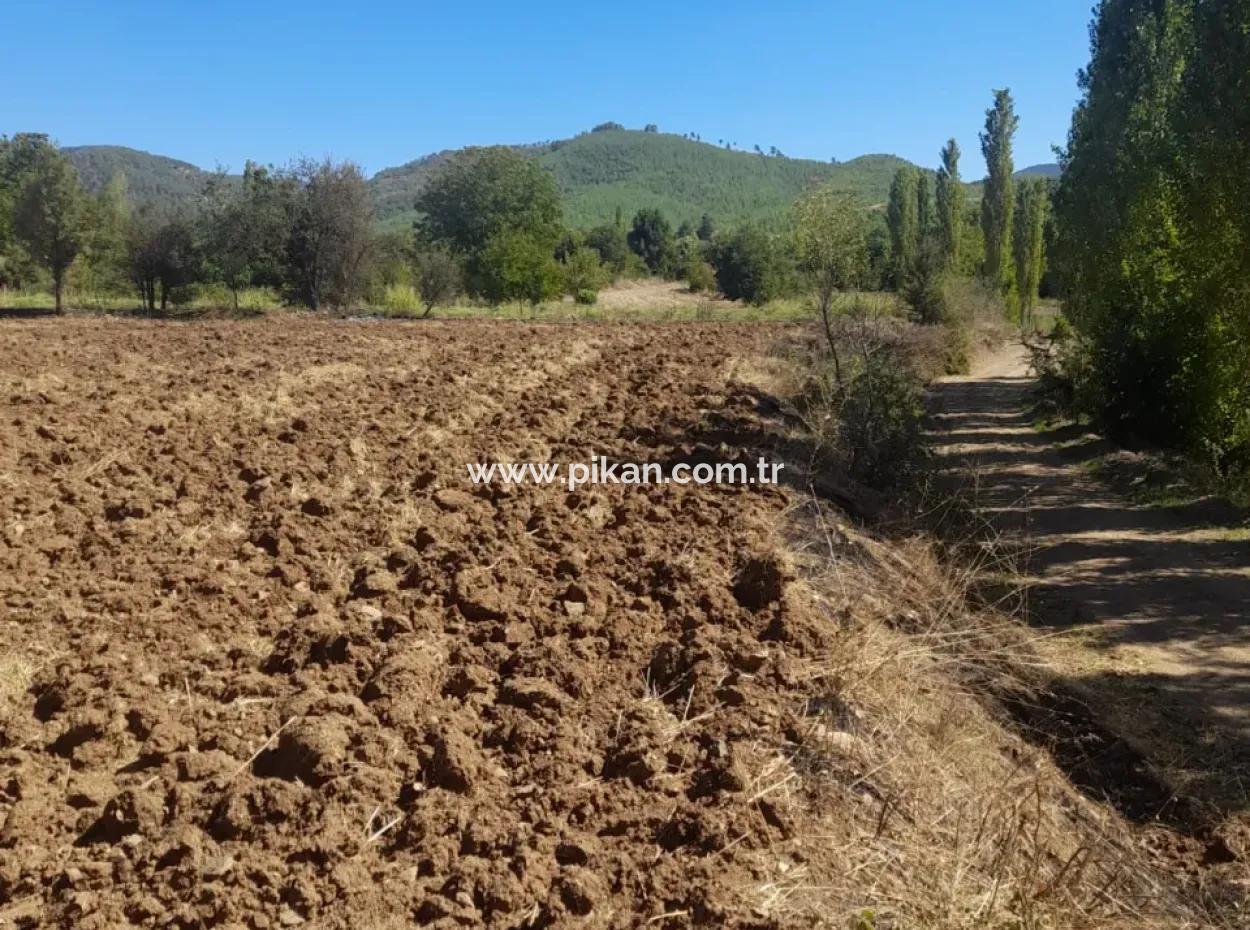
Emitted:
<point x="382" y="83"/>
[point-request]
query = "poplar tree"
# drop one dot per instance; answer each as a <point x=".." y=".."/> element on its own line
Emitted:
<point x="950" y="204"/>
<point x="924" y="206"/>
<point x="1028" y="241"/>
<point x="998" y="200"/>
<point x="903" y="218"/>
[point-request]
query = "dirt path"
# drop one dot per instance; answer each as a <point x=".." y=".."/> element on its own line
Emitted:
<point x="1155" y="601"/>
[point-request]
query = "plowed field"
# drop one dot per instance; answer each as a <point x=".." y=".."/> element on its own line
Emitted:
<point x="270" y="659"/>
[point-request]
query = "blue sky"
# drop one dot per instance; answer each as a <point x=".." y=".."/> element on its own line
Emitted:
<point x="382" y="83"/>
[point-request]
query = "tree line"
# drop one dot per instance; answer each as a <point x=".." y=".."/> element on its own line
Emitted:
<point x="491" y="225"/>
<point x="1153" y="226"/>
<point x="305" y="231"/>
<point x="934" y="234"/>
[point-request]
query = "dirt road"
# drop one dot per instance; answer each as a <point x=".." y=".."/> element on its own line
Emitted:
<point x="1155" y="601"/>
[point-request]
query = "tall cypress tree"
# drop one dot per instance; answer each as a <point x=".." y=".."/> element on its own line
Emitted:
<point x="950" y="204"/>
<point x="998" y="201"/>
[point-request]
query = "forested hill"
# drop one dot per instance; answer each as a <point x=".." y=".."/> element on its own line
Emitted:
<point x="149" y="178"/>
<point x="597" y="172"/>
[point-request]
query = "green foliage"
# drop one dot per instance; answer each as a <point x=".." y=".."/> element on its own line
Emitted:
<point x="18" y="158"/>
<point x="612" y="243"/>
<point x="686" y="250"/>
<point x="707" y="229"/>
<point x="439" y="277"/>
<point x="924" y="205"/>
<point x="164" y="259"/>
<point x="584" y="275"/>
<point x="866" y="412"/>
<point x="402" y="301"/>
<point x="101" y="268"/>
<point x="700" y="275"/>
<point x="971" y="257"/>
<point x="516" y="265"/>
<point x="651" y="239"/>
<point x="1028" y="241"/>
<point x="490" y="196"/>
<point x="51" y="215"/>
<point x="903" y="219"/>
<point x="330" y="233"/>
<point x="998" y="200"/>
<point x="595" y="173"/>
<point x="245" y="227"/>
<point x="950" y="204"/>
<point x="752" y="266"/>
<point x="482" y="193"/>
<point x="152" y="181"/>
<point x="923" y="287"/>
<point x="684" y="179"/>
<point x="1153" y="228"/>
<point x="829" y="242"/>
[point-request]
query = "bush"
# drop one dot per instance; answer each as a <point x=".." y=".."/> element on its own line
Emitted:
<point x="956" y="348"/>
<point x="439" y="277"/>
<point x="750" y="266"/>
<point x="700" y="276"/>
<point x="401" y="300"/>
<point x="584" y="275"/>
<point x="880" y="422"/>
<point x="517" y="266"/>
<point x="863" y="403"/>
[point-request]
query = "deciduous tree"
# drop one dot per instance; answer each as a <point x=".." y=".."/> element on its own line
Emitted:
<point x="831" y="248"/>
<point x="483" y="193"/>
<point x="330" y="234"/>
<point x="51" y="216"/>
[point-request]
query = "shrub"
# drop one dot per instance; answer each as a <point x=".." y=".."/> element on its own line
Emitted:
<point x="749" y="265"/>
<point x="401" y="300"/>
<point x="866" y="409"/>
<point x="439" y="277"/>
<point x="584" y="275"/>
<point x="700" y="276"/>
<point x="517" y="266"/>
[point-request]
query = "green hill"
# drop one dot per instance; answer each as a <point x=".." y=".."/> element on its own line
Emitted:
<point x="601" y="171"/>
<point x="597" y="173"/>
<point x="150" y="179"/>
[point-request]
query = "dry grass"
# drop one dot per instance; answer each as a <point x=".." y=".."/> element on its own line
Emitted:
<point x="942" y="817"/>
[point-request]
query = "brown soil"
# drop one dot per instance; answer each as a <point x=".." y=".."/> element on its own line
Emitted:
<point x="272" y="660"/>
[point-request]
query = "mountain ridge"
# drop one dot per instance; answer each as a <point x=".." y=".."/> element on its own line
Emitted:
<point x="597" y="173"/>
